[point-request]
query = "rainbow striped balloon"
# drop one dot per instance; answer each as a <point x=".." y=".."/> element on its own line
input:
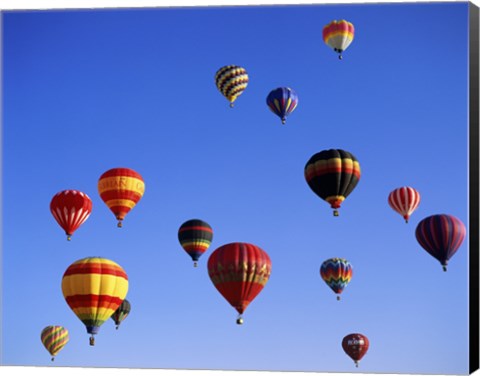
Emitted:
<point x="338" y="35"/>
<point x="121" y="189"/>
<point x="94" y="288"/>
<point x="54" y="338"/>
<point x="231" y="81"/>
<point x="441" y="235"/>
<point x="337" y="273"/>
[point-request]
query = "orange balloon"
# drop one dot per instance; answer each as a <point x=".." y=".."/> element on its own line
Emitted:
<point x="121" y="189"/>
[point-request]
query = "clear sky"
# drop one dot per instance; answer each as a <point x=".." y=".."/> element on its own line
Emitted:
<point x="86" y="91"/>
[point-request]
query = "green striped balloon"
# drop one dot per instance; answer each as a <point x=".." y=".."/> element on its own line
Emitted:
<point x="54" y="338"/>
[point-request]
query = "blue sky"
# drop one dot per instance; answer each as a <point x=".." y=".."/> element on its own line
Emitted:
<point x="85" y="91"/>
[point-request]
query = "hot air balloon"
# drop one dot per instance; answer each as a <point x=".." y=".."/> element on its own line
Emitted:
<point x="94" y="288"/>
<point x="121" y="189"/>
<point x="239" y="271"/>
<point x="404" y="201"/>
<point x="332" y="175"/>
<point x="337" y="273"/>
<point x="54" y="338"/>
<point x="441" y="235"/>
<point x="282" y="101"/>
<point x="356" y="346"/>
<point x="338" y="35"/>
<point x="70" y="208"/>
<point x="231" y="81"/>
<point x="121" y="313"/>
<point x="195" y="237"/>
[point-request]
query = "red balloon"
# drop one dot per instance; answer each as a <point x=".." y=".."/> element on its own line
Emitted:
<point x="404" y="201"/>
<point x="239" y="271"/>
<point x="70" y="208"/>
<point x="356" y="346"/>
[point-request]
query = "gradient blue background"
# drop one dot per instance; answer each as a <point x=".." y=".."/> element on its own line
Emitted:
<point x="85" y="91"/>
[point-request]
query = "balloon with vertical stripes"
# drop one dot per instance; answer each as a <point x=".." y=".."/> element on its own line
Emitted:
<point x="121" y="189"/>
<point x="70" y="208"/>
<point x="54" y="338"/>
<point x="404" y="201"/>
<point x="441" y="235"/>
<point x="282" y="102"/>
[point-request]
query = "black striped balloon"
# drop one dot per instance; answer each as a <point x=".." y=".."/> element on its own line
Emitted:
<point x="195" y="236"/>
<point x="332" y="175"/>
<point x="231" y="81"/>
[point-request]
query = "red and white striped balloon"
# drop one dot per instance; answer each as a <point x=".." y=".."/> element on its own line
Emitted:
<point x="70" y="208"/>
<point x="404" y="201"/>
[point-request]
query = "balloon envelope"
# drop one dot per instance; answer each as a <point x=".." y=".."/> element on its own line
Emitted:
<point x="121" y="189"/>
<point x="121" y="312"/>
<point x="239" y="271"/>
<point x="356" y="346"/>
<point x="337" y="273"/>
<point x="282" y="101"/>
<point x="441" y="235"/>
<point x="94" y="288"/>
<point x="332" y="175"/>
<point x="231" y="81"/>
<point x="70" y="208"/>
<point x="54" y="338"/>
<point x="195" y="237"/>
<point x="338" y="35"/>
<point x="404" y="201"/>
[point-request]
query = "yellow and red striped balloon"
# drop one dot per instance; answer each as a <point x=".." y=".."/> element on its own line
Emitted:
<point x="94" y="288"/>
<point x="338" y="35"/>
<point x="54" y="338"/>
<point x="121" y="189"/>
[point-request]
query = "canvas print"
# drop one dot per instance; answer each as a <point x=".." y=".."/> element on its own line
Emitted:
<point x="247" y="188"/>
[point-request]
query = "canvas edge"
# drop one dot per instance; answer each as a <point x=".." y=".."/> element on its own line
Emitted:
<point x="474" y="264"/>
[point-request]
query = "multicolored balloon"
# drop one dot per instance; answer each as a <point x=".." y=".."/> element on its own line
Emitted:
<point x="195" y="237"/>
<point x="231" y="81"/>
<point x="404" y="201"/>
<point x="121" y="313"/>
<point x="282" y="101"/>
<point x="337" y="273"/>
<point x="441" y="235"/>
<point x="54" y="338"/>
<point x="239" y="271"/>
<point x="338" y="35"/>
<point x="332" y="175"/>
<point x="356" y="346"/>
<point x="70" y="208"/>
<point x="94" y="288"/>
<point x="121" y="189"/>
